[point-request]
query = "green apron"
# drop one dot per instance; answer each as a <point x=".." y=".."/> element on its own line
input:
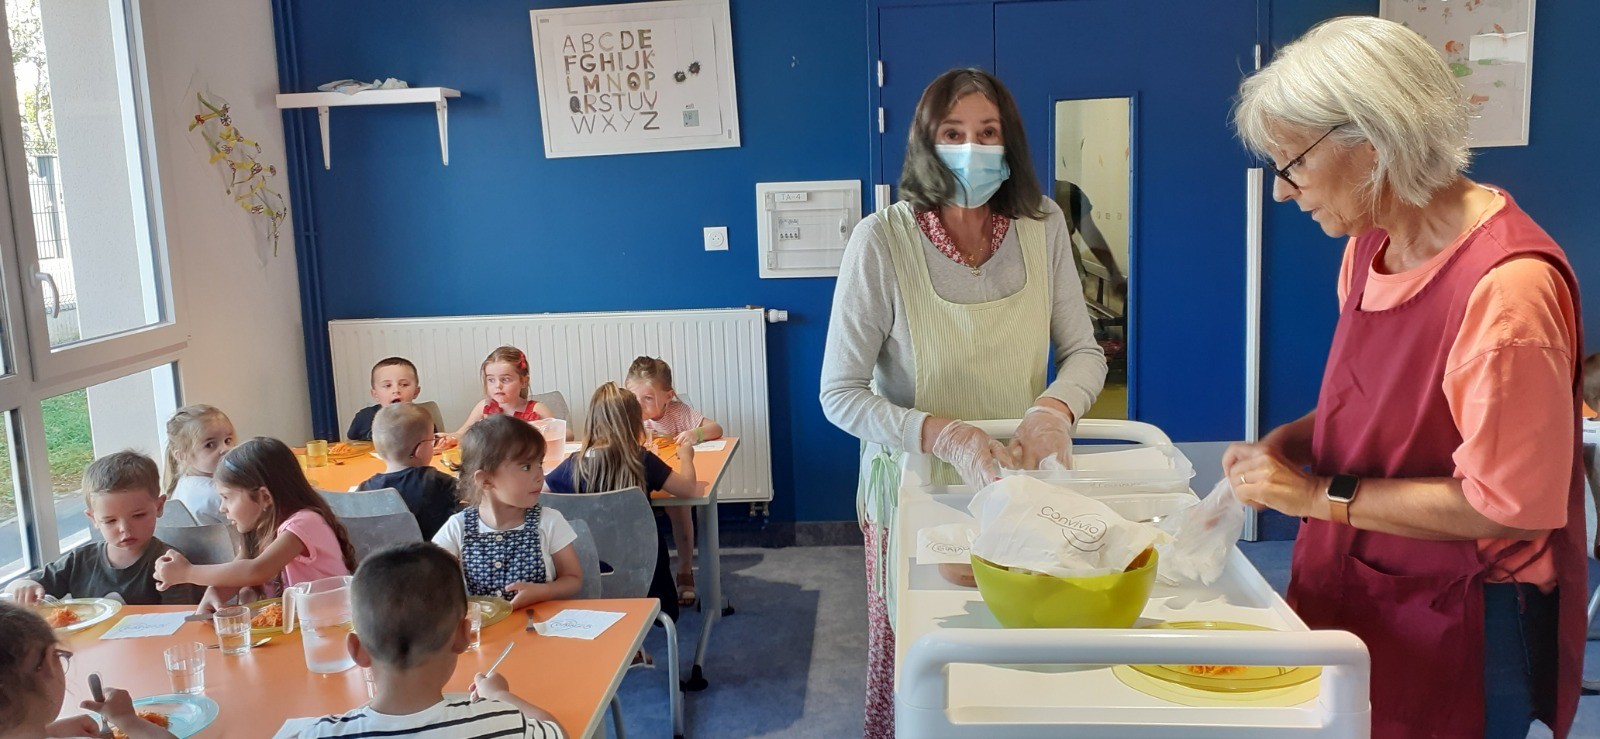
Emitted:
<point x="984" y="361"/>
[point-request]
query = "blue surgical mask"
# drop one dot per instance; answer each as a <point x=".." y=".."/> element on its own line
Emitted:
<point x="979" y="169"/>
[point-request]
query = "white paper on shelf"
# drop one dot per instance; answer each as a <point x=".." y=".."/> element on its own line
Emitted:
<point x="947" y="544"/>
<point x="146" y="624"/>
<point x="715" y="445"/>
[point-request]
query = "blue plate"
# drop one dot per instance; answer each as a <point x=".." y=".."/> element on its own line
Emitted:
<point x="186" y="714"/>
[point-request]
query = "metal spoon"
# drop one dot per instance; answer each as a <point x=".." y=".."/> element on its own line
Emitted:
<point x="254" y="644"/>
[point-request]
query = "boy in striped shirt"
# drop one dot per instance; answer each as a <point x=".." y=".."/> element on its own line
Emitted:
<point x="410" y="643"/>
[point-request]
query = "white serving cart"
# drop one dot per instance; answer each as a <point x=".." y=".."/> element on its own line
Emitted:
<point x="958" y="673"/>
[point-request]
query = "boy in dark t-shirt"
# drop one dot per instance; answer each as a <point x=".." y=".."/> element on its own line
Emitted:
<point x="122" y="491"/>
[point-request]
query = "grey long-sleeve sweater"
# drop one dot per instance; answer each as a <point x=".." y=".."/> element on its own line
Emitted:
<point x="869" y="338"/>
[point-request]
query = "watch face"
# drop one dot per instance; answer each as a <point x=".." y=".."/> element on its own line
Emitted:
<point x="1343" y="487"/>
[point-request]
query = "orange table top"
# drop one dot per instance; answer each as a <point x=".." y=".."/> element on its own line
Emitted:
<point x="342" y="475"/>
<point x="574" y="679"/>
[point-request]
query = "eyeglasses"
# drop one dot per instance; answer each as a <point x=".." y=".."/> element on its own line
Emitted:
<point x="61" y="654"/>
<point x="1284" y="172"/>
<point x="432" y="442"/>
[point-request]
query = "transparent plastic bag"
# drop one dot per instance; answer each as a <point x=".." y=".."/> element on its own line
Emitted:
<point x="1202" y="536"/>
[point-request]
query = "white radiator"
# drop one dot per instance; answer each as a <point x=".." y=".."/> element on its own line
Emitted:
<point x="718" y="359"/>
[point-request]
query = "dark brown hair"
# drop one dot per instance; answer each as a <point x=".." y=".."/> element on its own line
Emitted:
<point x="492" y="442"/>
<point x="265" y="462"/>
<point x="126" y="471"/>
<point x="928" y="184"/>
<point x="1591" y="381"/>
<point x="393" y="362"/>
<point x="651" y="370"/>
<point x="397" y="628"/>
<point x="24" y="639"/>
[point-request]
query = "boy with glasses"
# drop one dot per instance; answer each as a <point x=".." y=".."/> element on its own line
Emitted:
<point x="403" y="436"/>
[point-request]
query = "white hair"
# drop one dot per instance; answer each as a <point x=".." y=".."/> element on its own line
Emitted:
<point x="1376" y="81"/>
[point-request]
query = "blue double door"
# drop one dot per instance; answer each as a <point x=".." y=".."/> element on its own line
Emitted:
<point x="1179" y="64"/>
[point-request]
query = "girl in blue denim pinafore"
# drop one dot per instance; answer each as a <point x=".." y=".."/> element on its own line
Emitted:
<point x="495" y="559"/>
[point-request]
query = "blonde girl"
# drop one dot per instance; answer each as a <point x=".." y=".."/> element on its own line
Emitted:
<point x="614" y="457"/>
<point x="505" y="389"/>
<point x="288" y="534"/>
<point x="197" y="438"/>
<point x="666" y="416"/>
<point x="509" y="545"/>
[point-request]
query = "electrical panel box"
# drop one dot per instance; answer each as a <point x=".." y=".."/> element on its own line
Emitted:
<point x="802" y="227"/>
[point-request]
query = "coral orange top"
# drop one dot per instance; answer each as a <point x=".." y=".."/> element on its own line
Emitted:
<point x="1508" y="374"/>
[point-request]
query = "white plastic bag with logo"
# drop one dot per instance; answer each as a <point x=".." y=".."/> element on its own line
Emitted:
<point x="1028" y="524"/>
<point x="1202" y="536"/>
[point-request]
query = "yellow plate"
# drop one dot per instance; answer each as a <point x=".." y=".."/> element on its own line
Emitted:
<point x="1227" y="678"/>
<point x="258" y="632"/>
<point x="90" y="611"/>
<point x="495" y="609"/>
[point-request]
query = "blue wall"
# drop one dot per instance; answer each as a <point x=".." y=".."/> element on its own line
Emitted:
<point x="1553" y="178"/>
<point x="505" y="230"/>
<point x="388" y="232"/>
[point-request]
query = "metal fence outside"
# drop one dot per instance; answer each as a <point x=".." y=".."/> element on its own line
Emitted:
<point x="50" y="224"/>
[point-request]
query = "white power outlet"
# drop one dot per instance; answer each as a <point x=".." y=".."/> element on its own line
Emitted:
<point x="716" y="238"/>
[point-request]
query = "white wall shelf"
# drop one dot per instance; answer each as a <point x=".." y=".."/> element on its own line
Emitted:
<point x="322" y="101"/>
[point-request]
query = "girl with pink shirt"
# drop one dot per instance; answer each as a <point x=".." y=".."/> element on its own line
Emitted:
<point x="288" y="533"/>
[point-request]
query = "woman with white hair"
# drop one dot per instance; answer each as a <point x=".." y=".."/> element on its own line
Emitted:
<point x="1438" y="478"/>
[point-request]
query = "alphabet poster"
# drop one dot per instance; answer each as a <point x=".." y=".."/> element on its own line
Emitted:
<point x="640" y="77"/>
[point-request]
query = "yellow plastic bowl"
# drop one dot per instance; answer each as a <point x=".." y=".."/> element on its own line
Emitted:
<point x="1030" y="601"/>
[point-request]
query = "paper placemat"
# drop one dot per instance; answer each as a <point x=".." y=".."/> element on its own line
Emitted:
<point x="575" y="623"/>
<point x="146" y="624"/>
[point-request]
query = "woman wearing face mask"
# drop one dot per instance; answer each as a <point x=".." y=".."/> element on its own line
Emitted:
<point x="945" y="311"/>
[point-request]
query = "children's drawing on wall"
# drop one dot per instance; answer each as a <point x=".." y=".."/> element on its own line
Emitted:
<point x="1091" y="186"/>
<point x="1489" y="47"/>
<point x="238" y="158"/>
<point x="619" y="79"/>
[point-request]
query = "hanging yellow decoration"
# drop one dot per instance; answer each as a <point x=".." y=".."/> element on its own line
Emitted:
<point x="246" y="178"/>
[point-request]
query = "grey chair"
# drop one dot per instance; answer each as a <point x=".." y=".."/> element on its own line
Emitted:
<point x="588" y="559"/>
<point x="556" y="402"/>
<point x="211" y="544"/>
<point x="366" y="503"/>
<point x="624" y="530"/>
<point x="438" y="417"/>
<point x="368" y="534"/>
<point x="174" y="513"/>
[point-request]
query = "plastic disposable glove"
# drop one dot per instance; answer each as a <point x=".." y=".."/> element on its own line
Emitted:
<point x="1043" y="432"/>
<point x="976" y="457"/>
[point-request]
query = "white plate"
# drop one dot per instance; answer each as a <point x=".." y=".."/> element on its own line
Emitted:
<point x="90" y="611"/>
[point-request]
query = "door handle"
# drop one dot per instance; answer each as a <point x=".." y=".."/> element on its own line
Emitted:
<point x="45" y="278"/>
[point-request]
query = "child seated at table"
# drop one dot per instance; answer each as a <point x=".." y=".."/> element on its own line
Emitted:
<point x="505" y="389"/>
<point x="197" y="437"/>
<point x="411" y="645"/>
<point x="394" y="380"/>
<point x="614" y="457"/>
<point x="403" y="436"/>
<point x="666" y="416"/>
<point x="123" y="494"/>
<point x="510" y="546"/>
<point x="33" y="683"/>
<point x="289" y="535"/>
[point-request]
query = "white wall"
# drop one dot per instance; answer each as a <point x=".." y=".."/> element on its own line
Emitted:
<point x="242" y="305"/>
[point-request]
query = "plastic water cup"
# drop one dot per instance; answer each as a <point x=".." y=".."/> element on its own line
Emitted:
<point x="186" y="667"/>
<point x="317" y="453"/>
<point x="233" y="629"/>
<point x="474" y="617"/>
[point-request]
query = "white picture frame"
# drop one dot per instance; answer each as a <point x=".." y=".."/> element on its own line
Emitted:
<point x="1489" y="47"/>
<point x="636" y="77"/>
